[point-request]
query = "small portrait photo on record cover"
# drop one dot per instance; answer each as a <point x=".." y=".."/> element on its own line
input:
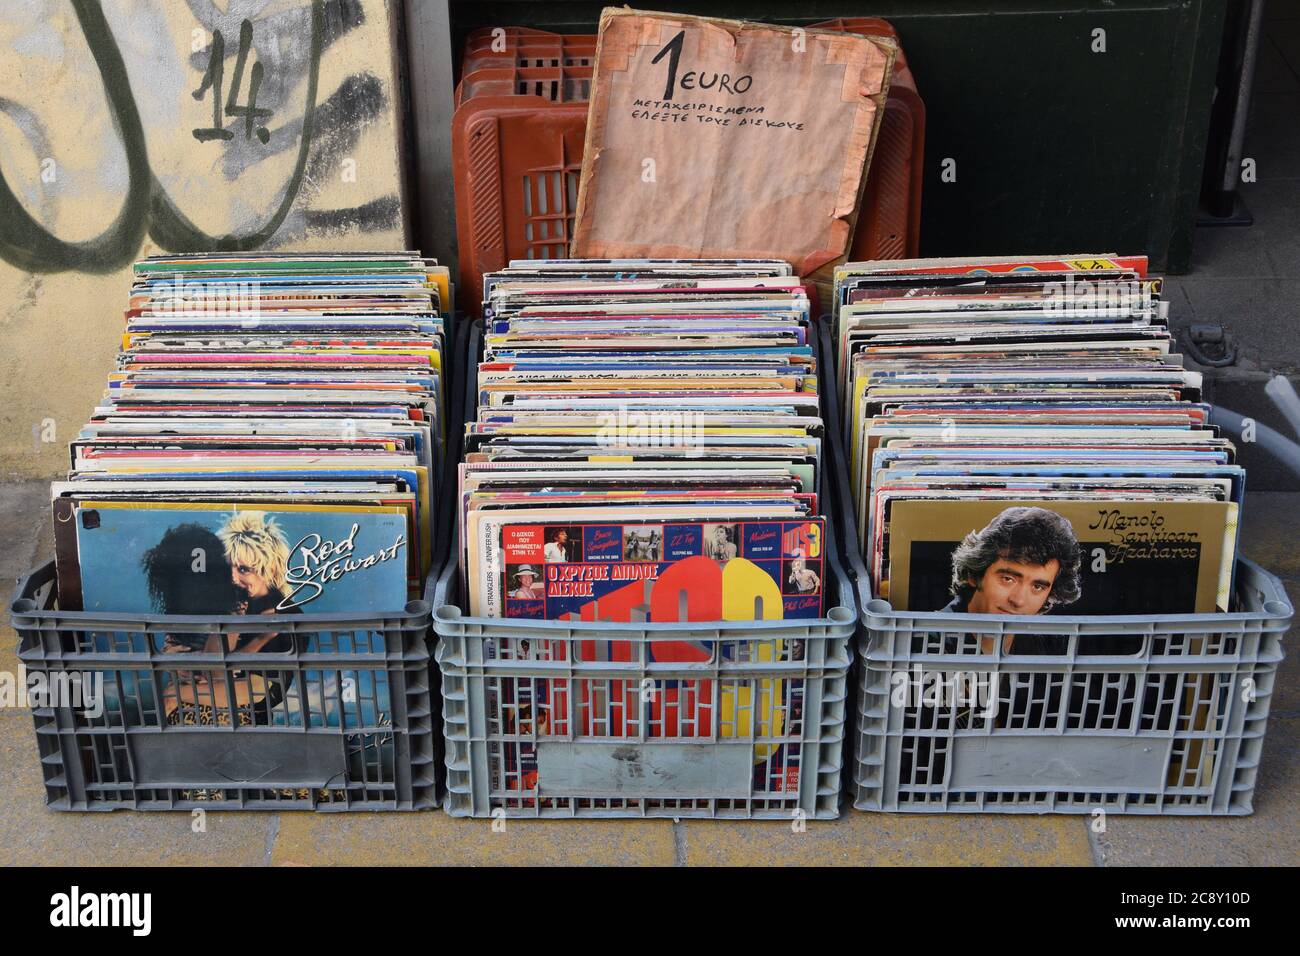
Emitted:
<point x="524" y="582"/>
<point x="643" y="543"/>
<point x="563" y="544"/>
<point x="521" y="720"/>
<point x="721" y="542"/>
<point x="517" y="650"/>
<point x="801" y="576"/>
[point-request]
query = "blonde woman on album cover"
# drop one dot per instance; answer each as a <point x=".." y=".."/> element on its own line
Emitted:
<point x="258" y="554"/>
<point x="720" y="547"/>
<point x="253" y="564"/>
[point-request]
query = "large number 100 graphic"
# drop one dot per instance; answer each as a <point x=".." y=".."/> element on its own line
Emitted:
<point x="694" y="589"/>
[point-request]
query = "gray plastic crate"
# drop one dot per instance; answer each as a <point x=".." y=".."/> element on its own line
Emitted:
<point x="343" y="720"/>
<point x="1164" y="714"/>
<point x="559" y="719"/>
<point x="1126" y="714"/>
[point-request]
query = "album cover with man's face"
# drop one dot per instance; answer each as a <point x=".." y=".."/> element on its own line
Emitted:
<point x="1061" y="557"/>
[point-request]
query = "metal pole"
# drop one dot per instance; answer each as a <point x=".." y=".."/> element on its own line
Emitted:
<point x="429" y="64"/>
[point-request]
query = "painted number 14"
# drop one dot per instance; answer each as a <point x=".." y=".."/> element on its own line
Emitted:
<point x="212" y="78"/>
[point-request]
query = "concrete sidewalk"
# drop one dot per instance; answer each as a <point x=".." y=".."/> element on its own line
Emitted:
<point x="32" y="835"/>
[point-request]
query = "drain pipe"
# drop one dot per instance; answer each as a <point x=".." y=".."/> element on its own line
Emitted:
<point x="1273" y="442"/>
<point x="1280" y="389"/>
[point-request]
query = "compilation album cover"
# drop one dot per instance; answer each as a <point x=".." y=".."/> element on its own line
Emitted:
<point x="664" y="572"/>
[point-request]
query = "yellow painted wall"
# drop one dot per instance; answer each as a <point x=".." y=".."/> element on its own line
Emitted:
<point x="101" y="165"/>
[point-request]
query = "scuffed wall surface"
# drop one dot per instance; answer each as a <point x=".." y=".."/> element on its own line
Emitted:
<point x="109" y="150"/>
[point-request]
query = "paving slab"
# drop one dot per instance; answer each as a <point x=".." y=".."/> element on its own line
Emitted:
<point x="1284" y="32"/>
<point x="879" y="839"/>
<point x="1259" y="313"/>
<point x="1273" y="136"/>
<point x="1269" y="837"/>
<point x="1272" y="73"/>
<point x="23" y="507"/>
<point x="435" y="839"/>
<point x="25" y="530"/>
<point x="1229" y="251"/>
<point x="1269" y="534"/>
<point x="1269" y="531"/>
<point x="31" y="835"/>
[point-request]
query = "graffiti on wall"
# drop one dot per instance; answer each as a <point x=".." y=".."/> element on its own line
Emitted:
<point x="254" y="70"/>
<point x="133" y="126"/>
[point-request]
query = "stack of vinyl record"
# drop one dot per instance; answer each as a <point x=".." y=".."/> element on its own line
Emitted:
<point x="268" y="443"/>
<point x="647" y="445"/>
<point x="1023" y="440"/>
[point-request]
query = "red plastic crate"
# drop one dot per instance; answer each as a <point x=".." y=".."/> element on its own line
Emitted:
<point x="555" y="84"/>
<point x="517" y="139"/>
<point x="525" y="47"/>
<point x="889" y="222"/>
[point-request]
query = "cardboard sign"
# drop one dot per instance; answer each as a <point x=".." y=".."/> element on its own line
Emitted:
<point x="719" y="138"/>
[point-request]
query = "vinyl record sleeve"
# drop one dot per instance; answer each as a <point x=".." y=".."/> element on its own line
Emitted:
<point x="663" y="571"/>
<point x="1137" y="557"/>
